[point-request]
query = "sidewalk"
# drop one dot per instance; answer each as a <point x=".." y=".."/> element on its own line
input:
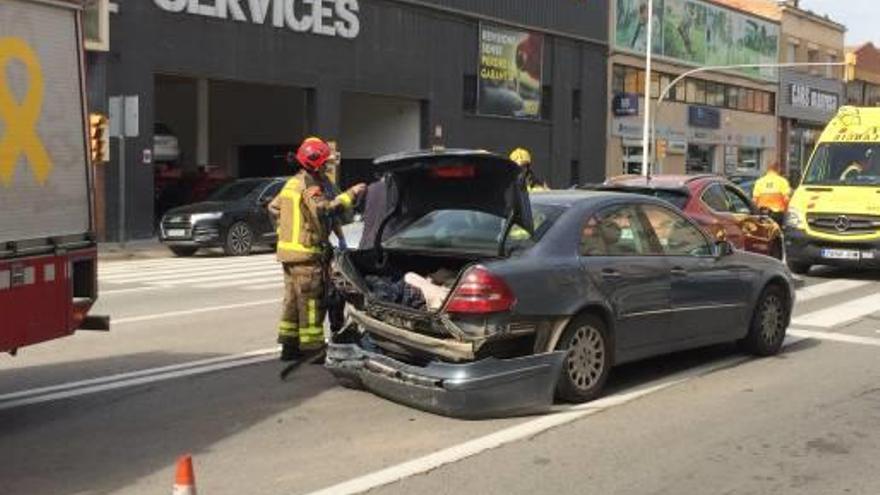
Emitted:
<point x="140" y="249"/>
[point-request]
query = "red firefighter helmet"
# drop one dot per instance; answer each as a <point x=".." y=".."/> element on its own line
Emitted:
<point x="313" y="154"/>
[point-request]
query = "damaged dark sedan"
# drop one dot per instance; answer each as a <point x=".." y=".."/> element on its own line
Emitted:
<point x="480" y="301"/>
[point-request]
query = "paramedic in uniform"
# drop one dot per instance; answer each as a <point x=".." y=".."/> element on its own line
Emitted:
<point x="305" y="217"/>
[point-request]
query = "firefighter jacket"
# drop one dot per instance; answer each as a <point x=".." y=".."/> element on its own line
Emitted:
<point x="305" y="217"/>
<point x="772" y="191"/>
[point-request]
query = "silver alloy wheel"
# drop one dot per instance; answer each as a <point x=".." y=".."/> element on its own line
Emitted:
<point x="772" y="319"/>
<point x="240" y="239"/>
<point x="586" y="357"/>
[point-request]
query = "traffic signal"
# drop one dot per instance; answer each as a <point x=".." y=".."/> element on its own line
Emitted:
<point x="661" y="148"/>
<point x="99" y="138"/>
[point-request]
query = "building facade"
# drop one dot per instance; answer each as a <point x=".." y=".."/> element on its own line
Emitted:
<point x="721" y="121"/>
<point x="863" y="88"/>
<point x="236" y="85"/>
<point x="808" y="96"/>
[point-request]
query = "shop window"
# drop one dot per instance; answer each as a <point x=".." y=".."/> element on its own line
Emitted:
<point x="469" y="93"/>
<point x="701" y="92"/>
<point x="632" y="160"/>
<point x="547" y="103"/>
<point x="732" y="97"/>
<point x="691" y="91"/>
<point x="618" y="79"/>
<point x="576" y="105"/>
<point x="631" y="80"/>
<point x="655" y="84"/>
<point x="749" y="160"/>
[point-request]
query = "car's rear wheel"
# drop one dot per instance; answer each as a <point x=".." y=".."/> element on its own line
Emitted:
<point x="769" y="323"/>
<point x="183" y="251"/>
<point x="798" y="268"/>
<point x="239" y="240"/>
<point x="588" y="362"/>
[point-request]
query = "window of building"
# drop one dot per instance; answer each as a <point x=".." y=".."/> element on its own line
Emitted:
<point x="655" y="84"/>
<point x="631" y="80"/>
<point x="715" y="94"/>
<point x="664" y="83"/>
<point x="813" y="57"/>
<point x="632" y="159"/>
<point x="701" y="93"/>
<point x="618" y="78"/>
<point x="576" y="105"/>
<point x="791" y="52"/>
<point x="575" y="172"/>
<point x="749" y="160"/>
<point x="732" y="97"/>
<point x="691" y="91"/>
<point x="831" y="70"/>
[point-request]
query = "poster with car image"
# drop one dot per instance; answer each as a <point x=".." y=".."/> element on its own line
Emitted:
<point x="699" y="33"/>
<point x="511" y="63"/>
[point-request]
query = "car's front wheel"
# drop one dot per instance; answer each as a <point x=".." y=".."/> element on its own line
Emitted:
<point x="239" y="240"/>
<point x="183" y="251"/>
<point x="588" y="362"/>
<point x="769" y="323"/>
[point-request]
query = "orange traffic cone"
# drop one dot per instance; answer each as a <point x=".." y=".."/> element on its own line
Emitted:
<point x="185" y="479"/>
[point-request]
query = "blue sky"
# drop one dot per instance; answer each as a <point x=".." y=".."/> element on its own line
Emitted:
<point x="861" y="17"/>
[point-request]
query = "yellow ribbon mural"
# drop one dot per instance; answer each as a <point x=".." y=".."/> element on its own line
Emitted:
<point x="19" y="118"/>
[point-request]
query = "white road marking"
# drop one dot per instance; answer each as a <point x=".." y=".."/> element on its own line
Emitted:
<point x="184" y="274"/>
<point x="164" y="262"/>
<point x="64" y="391"/>
<point x="210" y="309"/>
<point x="828" y="288"/>
<point x="111" y="292"/>
<point x="119" y="377"/>
<point x="836" y="337"/>
<point x="513" y="434"/>
<point x="840" y="314"/>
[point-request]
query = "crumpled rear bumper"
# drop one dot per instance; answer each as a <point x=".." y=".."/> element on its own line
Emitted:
<point x="486" y="388"/>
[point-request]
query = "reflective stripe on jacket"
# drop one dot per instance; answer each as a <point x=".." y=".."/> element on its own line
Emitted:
<point x="303" y="211"/>
<point x="772" y="191"/>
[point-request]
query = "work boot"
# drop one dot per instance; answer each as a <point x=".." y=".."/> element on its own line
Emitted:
<point x="290" y="352"/>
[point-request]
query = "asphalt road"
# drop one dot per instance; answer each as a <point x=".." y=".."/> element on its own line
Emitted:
<point x="189" y="367"/>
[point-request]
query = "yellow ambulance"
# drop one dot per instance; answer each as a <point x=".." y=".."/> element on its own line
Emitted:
<point x="834" y="216"/>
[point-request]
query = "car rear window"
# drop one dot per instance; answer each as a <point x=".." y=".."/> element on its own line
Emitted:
<point x="470" y="231"/>
<point x="678" y="198"/>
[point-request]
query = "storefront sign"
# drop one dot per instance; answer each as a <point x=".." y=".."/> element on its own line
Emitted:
<point x="325" y="17"/>
<point x="699" y="33"/>
<point x="803" y="96"/>
<point x="511" y="63"/>
<point x="628" y="128"/>
<point x="705" y="117"/>
<point x="625" y="104"/>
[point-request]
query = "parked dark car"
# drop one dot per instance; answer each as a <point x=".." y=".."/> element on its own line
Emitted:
<point x="233" y="218"/>
<point x="545" y="295"/>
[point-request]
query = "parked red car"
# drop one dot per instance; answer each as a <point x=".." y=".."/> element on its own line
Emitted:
<point x="723" y="209"/>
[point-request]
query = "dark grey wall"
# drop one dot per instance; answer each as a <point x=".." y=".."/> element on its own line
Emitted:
<point x="402" y="50"/>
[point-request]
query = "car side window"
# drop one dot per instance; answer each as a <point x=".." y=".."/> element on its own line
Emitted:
<point x="616" y="231"/>
<point x="676" y="236"/>
<point x="715" y="197"/>
<point x="738" y="203"/>
<point x="270" y="192"/>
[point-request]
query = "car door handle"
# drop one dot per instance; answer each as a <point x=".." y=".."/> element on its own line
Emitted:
<point x="678" y="271"/>
<point x="610" y="273"/>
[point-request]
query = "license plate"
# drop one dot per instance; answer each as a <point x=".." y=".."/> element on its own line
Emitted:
<point x="840" y="254"/>
<point x="175" y="233"/>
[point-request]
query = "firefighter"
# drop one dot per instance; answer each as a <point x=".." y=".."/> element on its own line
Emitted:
<point x="523" y="158"/>
<point x="305" y="217"/>
<point x="772" y="192"/>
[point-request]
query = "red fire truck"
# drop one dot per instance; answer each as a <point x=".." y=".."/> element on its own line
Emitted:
<point x="48" y="256"/>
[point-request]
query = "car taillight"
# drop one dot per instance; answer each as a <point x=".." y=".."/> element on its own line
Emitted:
<point x="454" y="172"/>
<point x="480" y="291"/>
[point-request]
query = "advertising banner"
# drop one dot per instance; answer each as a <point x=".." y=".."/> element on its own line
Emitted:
<point x="511" y="63"/>
<point x="699" y="33"/>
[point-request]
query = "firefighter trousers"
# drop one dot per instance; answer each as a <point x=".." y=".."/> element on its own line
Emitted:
<point x="302" y="316"/>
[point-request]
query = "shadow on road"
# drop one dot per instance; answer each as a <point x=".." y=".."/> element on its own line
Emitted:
<point x="830" y="272"/>
<point x="107" y="441"/>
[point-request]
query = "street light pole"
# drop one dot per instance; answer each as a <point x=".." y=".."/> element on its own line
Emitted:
<point x="664" y="93"/>
<point x="646" y="129"/>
